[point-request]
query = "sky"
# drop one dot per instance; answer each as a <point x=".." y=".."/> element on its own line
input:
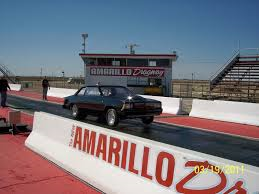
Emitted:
<point x="37" y="34"/>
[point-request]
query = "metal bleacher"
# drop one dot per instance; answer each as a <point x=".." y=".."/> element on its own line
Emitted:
<point x="238" y="79"/>
<point x="8" y="74"/>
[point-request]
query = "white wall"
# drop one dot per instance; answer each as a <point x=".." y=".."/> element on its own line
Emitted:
<point x="137" y="166"/>
<point x="61" y="92"/>
<point x="15" y="87"/>
<point x="238" y="112"/>
<point x="169" y="104"/>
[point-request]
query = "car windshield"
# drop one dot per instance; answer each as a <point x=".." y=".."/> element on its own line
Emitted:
<point x="116" y="91"/>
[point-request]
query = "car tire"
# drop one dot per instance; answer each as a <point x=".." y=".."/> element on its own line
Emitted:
<point x="148" y="120"/>
<point x="111" y="117"/>
<point x="77" y="113"/>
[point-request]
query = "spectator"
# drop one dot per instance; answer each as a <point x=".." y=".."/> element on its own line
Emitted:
<point x="45" y="87"/>
<point x="3" y="90"/>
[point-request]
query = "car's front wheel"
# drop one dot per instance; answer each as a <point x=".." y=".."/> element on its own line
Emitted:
<point x="112" y="118"/>
<point x="77" y="113"/>
<point x="148" y="120"/>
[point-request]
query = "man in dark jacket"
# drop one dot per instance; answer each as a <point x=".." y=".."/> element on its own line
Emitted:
<point x="45" y="87"/>
<point x="3" y="90"/>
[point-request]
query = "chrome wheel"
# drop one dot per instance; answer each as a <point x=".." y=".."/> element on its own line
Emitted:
<point x="74" y="111"/>
<point x="111" y="117"/>
<point x="78" y="113"/>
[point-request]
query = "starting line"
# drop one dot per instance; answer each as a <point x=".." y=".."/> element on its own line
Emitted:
<point x="115" y="162"/>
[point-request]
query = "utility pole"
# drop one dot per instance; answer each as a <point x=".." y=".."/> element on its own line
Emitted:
<point x="131" y="47"/>
<point x="63" y="74"/>
<point x="84" y="36"/>
<point x="192" y="83"/>
<point x="193" y="76"/>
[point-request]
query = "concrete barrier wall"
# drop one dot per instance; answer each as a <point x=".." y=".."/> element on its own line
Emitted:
<point x="15" y="87"/>
<point x="238" y="112"/>
<point x="201" y="108"/>
<point x="115" y="162"/>
<point x="61" y="92"/>
<point x="169" y="104"/>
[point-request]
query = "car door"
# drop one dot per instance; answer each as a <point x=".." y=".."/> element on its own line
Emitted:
<point x="93" y="99"/>
<point x="107" y="97"/>
<point x="80" y="98"/>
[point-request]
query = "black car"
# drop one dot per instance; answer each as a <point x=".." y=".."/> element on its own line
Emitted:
<point x="112" y="103"/>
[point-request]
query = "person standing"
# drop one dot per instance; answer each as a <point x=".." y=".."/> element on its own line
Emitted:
<point x="45" y="87"/>
<point x="3" y="90"/>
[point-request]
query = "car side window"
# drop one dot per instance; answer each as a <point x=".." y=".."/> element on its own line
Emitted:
<point x="106" y="91"/>
<point x="81" y="92"/>
<point x="92" y="91"/>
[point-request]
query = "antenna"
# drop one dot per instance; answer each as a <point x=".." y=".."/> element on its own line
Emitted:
<point x="131" y="47"/>
<point x="84" y="36"/>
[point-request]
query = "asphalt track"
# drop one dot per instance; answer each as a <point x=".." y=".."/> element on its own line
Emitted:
<point x="233" y="148"/>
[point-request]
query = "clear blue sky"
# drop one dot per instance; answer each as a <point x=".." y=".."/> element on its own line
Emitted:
<point x="46" y="34"/>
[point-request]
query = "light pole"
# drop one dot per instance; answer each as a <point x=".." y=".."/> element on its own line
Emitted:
<point x="192" y="82"/>
<point x="84" y="36"/>
<point x="63" y="73"/>
<point x="193" y="77"/>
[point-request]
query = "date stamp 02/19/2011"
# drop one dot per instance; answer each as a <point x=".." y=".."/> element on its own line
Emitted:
<point x="226" y="169"/>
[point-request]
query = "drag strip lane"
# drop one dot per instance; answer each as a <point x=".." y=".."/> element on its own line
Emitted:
<point x="233" y="148"/>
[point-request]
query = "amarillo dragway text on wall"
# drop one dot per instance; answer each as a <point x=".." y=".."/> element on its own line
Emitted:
<point x="128" y="71"/>
<point x="160" y="166"/>
<point x="116" y="162"/>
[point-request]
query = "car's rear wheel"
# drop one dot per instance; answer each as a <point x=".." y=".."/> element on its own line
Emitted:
<point x="112" y="118"/>
<point x="77" y="113"/>
<point x="148" y="120"/>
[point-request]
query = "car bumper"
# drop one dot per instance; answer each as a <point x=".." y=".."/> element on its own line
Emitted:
<point x="140" y="113"/>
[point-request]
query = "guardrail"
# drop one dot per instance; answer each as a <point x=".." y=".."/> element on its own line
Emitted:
<point x="249" y="52"/>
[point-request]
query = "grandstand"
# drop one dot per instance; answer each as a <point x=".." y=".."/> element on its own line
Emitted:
<point x="238" y="79"/>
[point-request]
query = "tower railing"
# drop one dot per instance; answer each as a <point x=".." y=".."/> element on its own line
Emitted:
<point x="222" y="68"/>
<point x="6" y="72"/>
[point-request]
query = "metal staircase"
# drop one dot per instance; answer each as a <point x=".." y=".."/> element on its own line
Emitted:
<point x="238" y="79"/>
<point x="8" y="74"/>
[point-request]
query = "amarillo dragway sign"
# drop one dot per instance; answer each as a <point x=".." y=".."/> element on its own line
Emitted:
<point x="128" y="71"/>
<point x="115" y="162"/>
<point x="117" y="152"/>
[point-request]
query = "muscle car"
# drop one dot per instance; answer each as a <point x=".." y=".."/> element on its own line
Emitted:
<point x="113" y="103"/>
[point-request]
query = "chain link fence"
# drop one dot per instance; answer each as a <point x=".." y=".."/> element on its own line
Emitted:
<point x="201" y="89"/>
<point x="35" y="84"/>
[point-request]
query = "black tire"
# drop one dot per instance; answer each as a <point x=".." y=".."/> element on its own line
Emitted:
<point x="77" y="113"/>
<point x="112" y="118"/>
<point x="148" y="120"/>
